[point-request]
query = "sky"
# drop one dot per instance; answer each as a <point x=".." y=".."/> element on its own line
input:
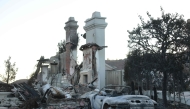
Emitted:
<point x="32" y="28"/>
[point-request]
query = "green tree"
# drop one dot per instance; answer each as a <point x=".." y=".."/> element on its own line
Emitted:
<point x="139" y="66"/>
<point x="61" y="46"/>
<point x="161" y="36"/>
<point x="10" y="71"/>
<point x="133" y="66"/>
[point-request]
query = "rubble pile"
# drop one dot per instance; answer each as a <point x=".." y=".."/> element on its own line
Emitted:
<point x="44" y="97"/>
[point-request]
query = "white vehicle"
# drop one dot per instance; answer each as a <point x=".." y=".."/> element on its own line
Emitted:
<point x="119" y="97"/>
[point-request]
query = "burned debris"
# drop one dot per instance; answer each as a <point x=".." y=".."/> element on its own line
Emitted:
<point x="59" y="82"/>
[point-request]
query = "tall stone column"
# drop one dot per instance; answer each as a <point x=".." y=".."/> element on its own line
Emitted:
<point x="71" y="36"/>
<point x="95" y="33"/>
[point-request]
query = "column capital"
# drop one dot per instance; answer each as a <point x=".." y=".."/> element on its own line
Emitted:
<point x="96" y="21"/>
<point x="71" y="24"/>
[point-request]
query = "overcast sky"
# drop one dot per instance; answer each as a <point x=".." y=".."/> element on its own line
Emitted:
<point x="32" y="28"/>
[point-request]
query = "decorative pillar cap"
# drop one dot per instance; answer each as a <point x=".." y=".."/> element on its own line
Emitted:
<point x="71" y="23"/>
<point x="96" y="21"/>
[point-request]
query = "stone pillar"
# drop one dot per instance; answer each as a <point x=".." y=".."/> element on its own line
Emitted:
<point x="71" y="34"/>
<point x="44" y="71"/>
<point x="95" y="33"/>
